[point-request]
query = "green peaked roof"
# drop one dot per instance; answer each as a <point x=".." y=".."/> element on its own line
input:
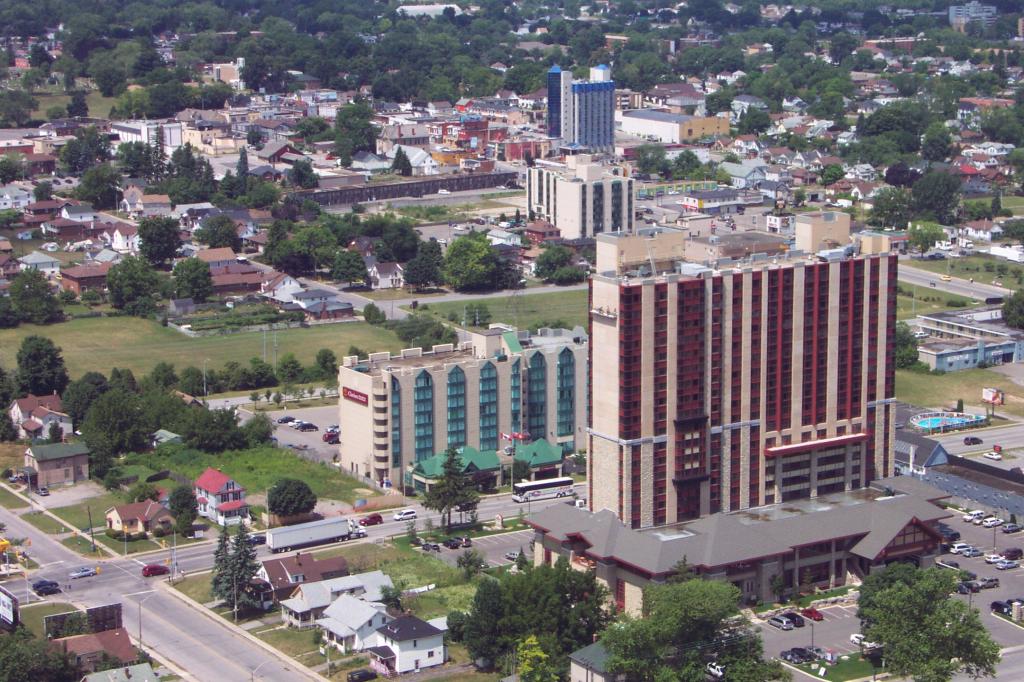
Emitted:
<point x="472" y="460"/>
<point x="539" y="453"/>
<point x="46" y="452"/>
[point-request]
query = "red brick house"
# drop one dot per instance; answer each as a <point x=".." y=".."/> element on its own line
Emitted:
<point x="92" y="650"/>
<point x="284" y="574"/>
<point x="81" y="278"/>
<point x="139" y="517"/>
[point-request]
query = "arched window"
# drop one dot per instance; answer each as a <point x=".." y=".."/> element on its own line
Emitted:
<point x="423" y="416"/>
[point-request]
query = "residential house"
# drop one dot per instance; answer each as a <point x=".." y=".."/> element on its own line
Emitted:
<point x="350" y="622"/>
<point x="98" y="649"/>
<point x="58" y="463"/>
<point x="590" y="664"/>
<point x="368" y="162"/>
<point x="33" y="415"/>
<point x="406" y="644"/>
<point x="79" y="213"/>
<point x="123" y="238"/>
<point x="220" y="498"/>
<point x="498" y="236"/>
<point x="141" y="672"/>
<point x="283" y="574"/>
<point x="421" y="161"/>
<point x="14" y="197"/>
<point x="9" y="267"/>
<point x="982" y="230"/>
<point x="274" y="152"/>
<point x="81" y="278"/>
<point x="743" y="103"/>
<point x="318" y="304"/>
<point x="46" y="264"/>
<point x="914" y="453"/>
<point x="217" y="258"/>
<point x="40" y="164"/>
<point x="746" y="174"/>
<point x="6" y="247"/>
<point x="386" y="275"/>
<point x="280" y="286"/>
<point x="309" y="600"/>
<point x="138" y="205"/>
<point x="540" y="231"/>
<point x="139" y="517"/>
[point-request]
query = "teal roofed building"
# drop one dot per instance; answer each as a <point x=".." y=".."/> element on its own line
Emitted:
<point x="483" y="467"/>
<point x="543" y="458"/>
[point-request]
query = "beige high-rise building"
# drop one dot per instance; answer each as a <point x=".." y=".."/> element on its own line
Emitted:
<point x="396" y="410"/>
<point x="729" y="386"/>
<point x="581" y="198"/>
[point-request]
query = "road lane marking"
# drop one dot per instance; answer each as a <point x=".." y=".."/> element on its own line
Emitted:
<point x="132" y="594"/>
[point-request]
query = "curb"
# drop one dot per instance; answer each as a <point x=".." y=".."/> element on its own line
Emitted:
<point x="237" y="631"/>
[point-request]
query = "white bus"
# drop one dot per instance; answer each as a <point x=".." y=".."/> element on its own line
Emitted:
<point x="539" y="490"/>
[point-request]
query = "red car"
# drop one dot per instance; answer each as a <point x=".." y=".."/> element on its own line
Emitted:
<point x="331" y="438"/>
<point x="371" y="520"/>
<point x="150" y="570"/>
<point x="813" y="614"/>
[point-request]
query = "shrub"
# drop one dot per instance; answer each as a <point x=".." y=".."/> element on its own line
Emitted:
<point x="159" y="532"/>
<point x="114" y="534"/>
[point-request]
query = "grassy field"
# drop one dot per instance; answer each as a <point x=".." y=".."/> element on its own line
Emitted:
<point x="943" y="390"/>
<point x="913" y="300"/>
<point x="12" y="455"/>
<point x="853" y="668"/>
<point x="10" y="500"/>
<point x="257" y="470"/>
<point x="290" y="641"/>
<point x="102" y="343"/>
<point x="99" y="106"/>
<point x="973" y="267"/>
<point x="526" y="311"/>
<point x="77" y="515"/>
<point x="1015" y="204"/>
<point x="45" y="523"/>
<point x="32" y="616"/>
<point x="196" y="586"/>
<point x="82" y="545"/>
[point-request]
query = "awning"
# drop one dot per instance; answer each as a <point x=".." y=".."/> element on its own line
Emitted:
<point x="812" y="445"/>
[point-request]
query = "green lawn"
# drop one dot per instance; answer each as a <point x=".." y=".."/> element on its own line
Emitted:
<point x="10" y="500"/>
<point x="942" y="390"/>
<point x="134" y="546"/>
<point x="32" y="616"/>
<point x="12" y="456"/>
<point x="806" y="600"/>
<point x="525" y="311"/>
<point x="101" y="343"/>
<point x="77" y="515"/>
<point x="442" y="601"/>
<point x="196" y="587"/>
<point x="45" y="523"/>
<point x="1016" y="204"/>
<point x="290" y="641"/>
<point x="257" y="470"/>
<point x="973" y="267"/>
<point x="912" y="300"/>
<point x="99" y="106"/>
<point x="82" y="545"/>
<point x="853" y="668"/>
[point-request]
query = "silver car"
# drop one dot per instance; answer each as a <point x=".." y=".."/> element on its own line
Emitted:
<point x="82" y="572"/>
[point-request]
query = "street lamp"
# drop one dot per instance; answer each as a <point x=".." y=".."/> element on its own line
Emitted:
<point x="812" y="634"/>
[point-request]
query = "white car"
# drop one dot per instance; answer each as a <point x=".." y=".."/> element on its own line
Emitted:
<point x="857" y="639"/>
<point x="958" y="547"/>
<point x="993" y="558"/>
<point x="443" y="191"/>
<point x="993" y="455"/>
<point x="976" y="514"/>
<point x="716" y="671"/>
<point x="405" y="514"/>
<point x="992" y="522"/>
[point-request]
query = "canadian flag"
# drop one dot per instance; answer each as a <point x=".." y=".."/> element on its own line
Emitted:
<point x="515" y="435"/>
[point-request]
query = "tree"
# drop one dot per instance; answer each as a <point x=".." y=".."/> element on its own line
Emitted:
<point x="401" y="163"/>
<point x="220" y="583"/>
<point x="650" y="159"/>
<point x="927" y="634"/>
<point x="551" y="260"/>
<point x="99" y="186"/>
<point x="936" y="196"/>
<point x="906" y="346"/>
<point x="301" y="175"/>
<point x="192" y="279"/>
<point x="43" y="191"/>
<point x="997" y="204"/>
<point x="454" y="488"/>
<point x="754" y="121"/>
<point x="78" y="106"/>
<point x="290" y="497"/>
<point x="242" y="167"/>
<point x="159" y="239"/>
<point x="326" y="363"/>
<point x="533" y="663"/>
<point x="482" y="634"/>
<point x="832" y="174"/>
<point x="88" y="148"/>
<point x="184" y="508"/>
<point x="469" y="562"/>
<point x="142" y="491"/>
<point x="113" y="426"/>
<point x="841" y="45"/>
<point x="243" y="568"/>
<point x="257" y="431"/>
<point x="41" y="369"/>
<point x="132" y="285"/>
<point x="425" y="268"/>
<point x="936" y="143"/>
<point x="922" y="236"/>
<point x="471" y="264"/>
<point x="12" y="167"/>
<point x="1013" y="310"/>
<point x="16" y="107"/>
<point x="32" y="299"/>
<point x="349" y="267"/>
<point x="373" y="315"/>
<point x="218" y="232"/>
<point x="23" y="657"/>
<point x="354" y="131"/>
<point x="289" y="369"/>
<point x="891" y="208"/>
<point x="80" y="395"/>
<point x="55" y="434"/>
<point x="163" y="375"/>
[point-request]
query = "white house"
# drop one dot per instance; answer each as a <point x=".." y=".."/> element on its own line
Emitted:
<point x="982" y="230"/>
<point x="406" y="644"/>
<point x="79" y="212"/>
<point x="48" y="265"/>
<point x="350" y="623"/>
<point x="280" y="287"/>
<point x="386" y="275"/>
<point x="220" y="498"/>
<point x="124" y="238"/>
<point x="503" y="237"/>
<point x="33" y="416"/>
<point x="14" y="197"/>
<point x="746" y="174"/>
<point x="421" y="161"/>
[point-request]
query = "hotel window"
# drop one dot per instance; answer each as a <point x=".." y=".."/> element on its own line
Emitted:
<point x="536" y="397"/>
<point x="488" y="407"/>
<point x="517" y="396"/>
<point x="423" y="416"/>
<point x="456" y="408"/>
<point x="566" y="393"/>
<point x="396" y="423"/>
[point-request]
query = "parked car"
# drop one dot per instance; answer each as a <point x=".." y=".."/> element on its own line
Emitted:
<point x="513" y="555"/>
<point x="967" y="587"/>
<point x="993" y="455"/>
<point x="1008" y="564"/>
<point x="972" y="552"/>
<point x="405" y="514"/>
<point x="950" y="535"/>
<point x="1001" y="607"/>
<point x="1013" y="553"/>
<point x="306" y="426"/>
<point x="44" y="587"/>
<point x="857" y="639"/>
<point x="43" y="491"/>
<point x="715" y="670"/>
<point x="797" y="655"/>
<point x="988" y="583"/>
<point x="947" y="564"/>
<point x="780" y="623"/>
<point x="794" y="618"/>
<point x="372" y="520"/>
<point x="257" y="539"/>
<point x="82" y="572"/>
<point x="431" y="547"/>
<point x="287" y="419"/>
<point x="959" y="547"/>
<point x="361" y="675"/>
<point x="1011" y="528"/>
<point x="456" y="543"/>
<point x="971" y="515"/>
<point x="149" y="570"/>
<point x="333" y="428"/>
<point x="993" y="558"/>
<point x="973" y="440"/>
<point x="331" y="438"/>
<point x="813" y="613"/>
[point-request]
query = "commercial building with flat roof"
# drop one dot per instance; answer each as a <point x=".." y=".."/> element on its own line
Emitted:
<point x="397" y="411"/>
<point x="738" y="383"/>
<point x="580" y="198"/>
<point x="823" y="542"/>
<point x="670" y="128"/>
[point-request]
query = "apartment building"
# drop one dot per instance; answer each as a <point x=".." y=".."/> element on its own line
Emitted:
<point x="581" y="198"/>
<point x="398" y="410"/>
<point x="736" y="384"/>
<point x="581" y="112"/>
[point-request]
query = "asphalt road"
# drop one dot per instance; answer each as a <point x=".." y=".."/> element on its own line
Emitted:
<point x="962" y="287"/>
<point x="1008" y="437"/>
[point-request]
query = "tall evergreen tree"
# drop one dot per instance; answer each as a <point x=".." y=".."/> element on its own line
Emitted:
<point x="242" y="168"/>
<point x="453" y="489"/>
<point x="220" y="585"/>
<point x="243" y="568"/>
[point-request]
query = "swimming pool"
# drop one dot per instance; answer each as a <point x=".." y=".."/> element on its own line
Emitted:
<point x="945" y="421"/>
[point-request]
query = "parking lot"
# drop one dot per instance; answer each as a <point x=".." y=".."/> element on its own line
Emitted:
<point x="493" y="548"/>
<point x="308" y="443"/>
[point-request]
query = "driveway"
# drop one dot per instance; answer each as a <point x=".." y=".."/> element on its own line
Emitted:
<point x="309" y="444"/>
<point x="63" y="496"/>
<point x="493" y="547"/>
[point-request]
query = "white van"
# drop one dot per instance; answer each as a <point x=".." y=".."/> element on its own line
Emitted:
<point x="405" y="514"/>
<point x="970" y="516"/>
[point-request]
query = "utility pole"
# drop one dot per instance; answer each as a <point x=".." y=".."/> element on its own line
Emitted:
<point x="92" y="537"/>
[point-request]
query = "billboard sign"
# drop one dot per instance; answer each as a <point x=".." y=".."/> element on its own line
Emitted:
<point x="8" y="609"/>
<point x="993" y="396"/>
<point x="355" y="396"/>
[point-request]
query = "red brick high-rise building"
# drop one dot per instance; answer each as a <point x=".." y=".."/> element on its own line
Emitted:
<point x="737" y="384"/>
